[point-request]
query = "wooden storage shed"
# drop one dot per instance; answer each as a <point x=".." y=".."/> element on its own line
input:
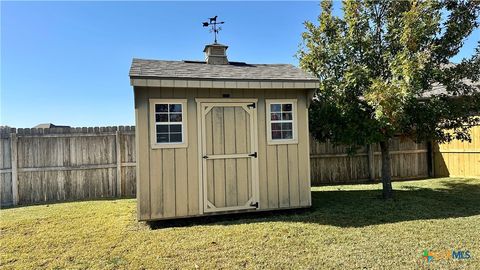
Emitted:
<point x="216" y="136"/>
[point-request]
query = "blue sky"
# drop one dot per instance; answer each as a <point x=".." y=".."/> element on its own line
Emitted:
<point x="67" y="62"/>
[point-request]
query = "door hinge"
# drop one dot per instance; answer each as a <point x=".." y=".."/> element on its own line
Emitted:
<point x="205" y="157"/>
<point x="253" y="155"/>
<point x="251" y="106"/>
<point x="254" y="204"/>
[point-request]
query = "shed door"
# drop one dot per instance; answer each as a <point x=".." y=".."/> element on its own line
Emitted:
<point x="229" y="156"/>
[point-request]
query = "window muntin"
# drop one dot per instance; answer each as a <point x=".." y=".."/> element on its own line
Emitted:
<point x="281" y="121"/>
<point x="168" y="122"/>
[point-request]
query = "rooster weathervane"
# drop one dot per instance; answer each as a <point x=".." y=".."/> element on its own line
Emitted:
<point x="213" y="23"/>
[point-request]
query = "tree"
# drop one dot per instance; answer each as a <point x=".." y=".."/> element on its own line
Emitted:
<point x="377" y="65"/>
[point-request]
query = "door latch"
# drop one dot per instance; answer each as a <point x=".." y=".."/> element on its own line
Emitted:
<point x="254" y="204"/>
<point x="253" y="155"/>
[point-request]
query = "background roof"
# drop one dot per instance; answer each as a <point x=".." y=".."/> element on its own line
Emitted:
<point x="439" y="89"/>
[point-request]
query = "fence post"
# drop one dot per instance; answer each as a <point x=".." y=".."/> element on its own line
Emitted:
<point x="119" y="164"/>
<point x="371" y="165"/>
<point x="14" y="160"/>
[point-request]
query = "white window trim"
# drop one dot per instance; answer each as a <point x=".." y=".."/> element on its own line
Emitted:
<point x="153" y="124"/>
<point x="294" y="139"/>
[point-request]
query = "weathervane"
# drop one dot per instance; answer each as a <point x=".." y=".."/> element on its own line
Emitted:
<point x="213" y="23"/>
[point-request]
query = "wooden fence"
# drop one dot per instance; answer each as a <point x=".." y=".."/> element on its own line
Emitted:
<point x="59" y="164"/>
<point x="332" y="165"/>
<point x="459" y="158"/>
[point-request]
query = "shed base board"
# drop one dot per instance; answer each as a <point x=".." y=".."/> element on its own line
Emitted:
<point x="245" y="211"/>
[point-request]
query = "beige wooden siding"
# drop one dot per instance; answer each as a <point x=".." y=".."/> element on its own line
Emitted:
<point x="143" y="166"/>
<point x="262" y="149"/>
<point x="168" y="182"/>
<point x="192" y="156"/>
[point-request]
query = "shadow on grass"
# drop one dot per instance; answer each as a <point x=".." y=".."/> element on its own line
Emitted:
<point x="359" y="208"/>
<point x="49" y="203"/>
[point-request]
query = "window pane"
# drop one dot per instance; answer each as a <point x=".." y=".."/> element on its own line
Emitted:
<point x="276" y="116"/>
<point x="176" y="117"/>
<point x="162" y="129"/>
<point x="161" y="108"/>
<point x="287" y="134"/>
<point x="275" y="107"/>
<point x="175" y="128"/>
<point x="287" y="116"/>
<point x="276" y="126"/>
<point x="176" y="137"/>
<point x="162" y="138"/>
<point x="287" y="107"/>
<point x="286" y="126"/>
<point x="175" y="108"/>
<point x="161" y="117"/>
<point x="276" y="135"/>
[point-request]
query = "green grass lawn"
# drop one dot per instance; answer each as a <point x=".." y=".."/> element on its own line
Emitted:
<point x="348" y="227"/>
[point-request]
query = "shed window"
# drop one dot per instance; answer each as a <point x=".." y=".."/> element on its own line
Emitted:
<point x="281" y="119"/>
<point x="169" y="123"/>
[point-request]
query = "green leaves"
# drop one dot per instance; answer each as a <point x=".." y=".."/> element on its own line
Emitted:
<point x="379" y="61"/>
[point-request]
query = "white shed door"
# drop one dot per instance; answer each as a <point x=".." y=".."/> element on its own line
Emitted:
<point x="229" y="156"/>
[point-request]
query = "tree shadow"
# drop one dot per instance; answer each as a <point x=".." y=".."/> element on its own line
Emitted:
<point x="48" y="203"/>
<point x="441" y="168"/>
<point x="359" y="208"/>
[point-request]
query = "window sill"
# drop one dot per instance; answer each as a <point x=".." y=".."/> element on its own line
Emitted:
<point x="169" y="145"/>
<point x="275" y="142"/>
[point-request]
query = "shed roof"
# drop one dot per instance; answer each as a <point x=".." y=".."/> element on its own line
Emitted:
<point x="233" y="71"/>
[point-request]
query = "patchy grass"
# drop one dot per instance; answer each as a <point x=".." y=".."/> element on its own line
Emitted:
<point x="348" y="227"/>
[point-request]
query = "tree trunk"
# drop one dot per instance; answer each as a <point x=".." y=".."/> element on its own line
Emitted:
<point x="386" y="171"/>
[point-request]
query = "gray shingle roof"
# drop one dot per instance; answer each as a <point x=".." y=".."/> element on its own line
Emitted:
<point x="49" y="125"/>
<point x="438" y="89"/>
<point x="143" y="68"/>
